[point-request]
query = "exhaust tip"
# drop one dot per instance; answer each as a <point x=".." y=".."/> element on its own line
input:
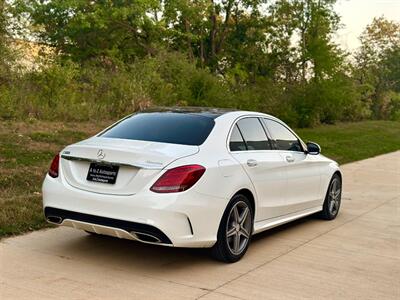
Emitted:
<point x="54" y="219"/>
<point x="145" y="237"/>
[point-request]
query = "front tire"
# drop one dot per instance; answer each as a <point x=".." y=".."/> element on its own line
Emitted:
<point x="333" y="198"/>
<point x="234" y="233"/>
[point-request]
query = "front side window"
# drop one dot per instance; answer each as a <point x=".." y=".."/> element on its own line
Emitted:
<point x="174" y="128"/>
<point x="284" y="139"/>
<point x="253" y="134"/>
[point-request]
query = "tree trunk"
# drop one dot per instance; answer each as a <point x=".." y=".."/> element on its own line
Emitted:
<point x="188" y="40"/>
<point x="225" y="30"/>
<point x="202" y="59"/>
<point x="213" y="31"/>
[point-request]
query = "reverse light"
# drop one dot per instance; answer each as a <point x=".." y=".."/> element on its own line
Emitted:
<point x="53" y="171"/>
<point x="178" y="179"/>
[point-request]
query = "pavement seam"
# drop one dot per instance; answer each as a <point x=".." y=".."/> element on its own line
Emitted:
<point x="227" y="295"/>
<point x="295" y="248"/>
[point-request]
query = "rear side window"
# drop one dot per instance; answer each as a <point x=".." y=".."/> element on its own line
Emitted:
<point x="253" y="134"/>
<point x="236" y="143"/>
<point x="174" y="128"/>
<point x="283" y="137"/>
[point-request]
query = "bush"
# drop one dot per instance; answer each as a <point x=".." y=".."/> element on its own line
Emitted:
<point x="171" y="79"/>
<point x="71" y="92"/>
<point x="68" y="91"/>
<point x="65" y="90"/>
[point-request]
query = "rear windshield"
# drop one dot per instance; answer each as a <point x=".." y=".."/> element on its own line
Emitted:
<point x="174" y="128"/>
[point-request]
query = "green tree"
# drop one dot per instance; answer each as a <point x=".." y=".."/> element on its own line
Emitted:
<point x="377" y="65"/>
<point x="6" y="56"/>
<point x="205" y="29"/>
<point x="276" y="56"/>
<point x="301" y="53"/>
<point x="83" y="30"/>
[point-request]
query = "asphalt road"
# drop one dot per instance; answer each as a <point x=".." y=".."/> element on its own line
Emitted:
<point x="356" y="256"/>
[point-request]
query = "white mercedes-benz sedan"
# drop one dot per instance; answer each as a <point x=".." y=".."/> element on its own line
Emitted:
<point x="191" y="177"/>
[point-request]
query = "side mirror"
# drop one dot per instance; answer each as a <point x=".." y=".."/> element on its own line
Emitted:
<point x="313" y="148"/>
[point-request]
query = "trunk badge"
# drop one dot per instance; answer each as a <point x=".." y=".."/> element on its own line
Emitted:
<point x="101" y="154"/>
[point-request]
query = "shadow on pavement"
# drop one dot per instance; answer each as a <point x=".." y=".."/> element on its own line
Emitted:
<point x="146" y="258"/>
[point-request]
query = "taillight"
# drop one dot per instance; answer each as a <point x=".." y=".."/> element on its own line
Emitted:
<point x="178" y="179"/>
<point x="53" y="171"/>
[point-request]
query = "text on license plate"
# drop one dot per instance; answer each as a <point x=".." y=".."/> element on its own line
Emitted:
<point x="102" y="173"/>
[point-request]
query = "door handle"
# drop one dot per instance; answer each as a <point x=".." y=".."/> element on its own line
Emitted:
<point x="252" y="163"/>
<point x="289" y="159"/>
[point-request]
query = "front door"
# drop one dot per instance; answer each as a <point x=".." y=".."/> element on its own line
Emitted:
<point x="302" y="170"/>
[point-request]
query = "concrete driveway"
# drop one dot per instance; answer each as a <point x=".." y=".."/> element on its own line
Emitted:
<point x="356" y="256"/>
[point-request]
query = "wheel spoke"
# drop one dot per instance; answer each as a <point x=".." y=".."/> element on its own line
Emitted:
<point x="236" y="214"/>
<point x="244" y="216"/>
<point x="236" y="241"/>
<point x="243" y="231"/>
<point x="334" y="184"/>
<point x="331" y="206"/>
<point x="231" y="232"/>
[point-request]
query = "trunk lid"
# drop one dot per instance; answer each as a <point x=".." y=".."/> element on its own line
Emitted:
<point x="139" y="162"/>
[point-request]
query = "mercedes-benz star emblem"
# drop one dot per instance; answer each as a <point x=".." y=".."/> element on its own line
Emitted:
<point x="101" y="154"/>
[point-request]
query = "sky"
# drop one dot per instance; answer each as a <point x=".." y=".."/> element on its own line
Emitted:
<point x="357" y="14"/>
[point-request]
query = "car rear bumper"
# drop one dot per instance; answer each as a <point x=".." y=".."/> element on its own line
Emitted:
<point x="108" y="226"/>
<point x="187" y="219"/>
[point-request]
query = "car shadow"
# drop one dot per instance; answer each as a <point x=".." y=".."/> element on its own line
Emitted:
<point x="150" y="259"/>
<point x="285" y="228"/>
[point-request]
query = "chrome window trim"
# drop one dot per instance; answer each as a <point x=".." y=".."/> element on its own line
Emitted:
<point x="233" y="125"/>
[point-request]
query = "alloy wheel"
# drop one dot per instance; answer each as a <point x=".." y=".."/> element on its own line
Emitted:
<point x="334" y="196"/>
<point x="238" y="227"/>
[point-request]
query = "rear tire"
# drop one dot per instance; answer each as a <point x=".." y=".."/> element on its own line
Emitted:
<point x="234" y="233"/>
<point x="333" y="199"/>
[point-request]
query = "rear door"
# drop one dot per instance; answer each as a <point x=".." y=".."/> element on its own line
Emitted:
<point x="250" y="146"/>
<point x="302" y="170"/>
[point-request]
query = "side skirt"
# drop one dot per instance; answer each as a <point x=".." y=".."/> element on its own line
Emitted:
<point x="271" y="223"/>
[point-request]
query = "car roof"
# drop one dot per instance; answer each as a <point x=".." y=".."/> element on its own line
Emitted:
<point x="210" y="112"/>
<point x="229" y="114"/>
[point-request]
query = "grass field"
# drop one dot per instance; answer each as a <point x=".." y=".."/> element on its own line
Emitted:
<point x="347" y="142"/>
<point x="26" y="150"/>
